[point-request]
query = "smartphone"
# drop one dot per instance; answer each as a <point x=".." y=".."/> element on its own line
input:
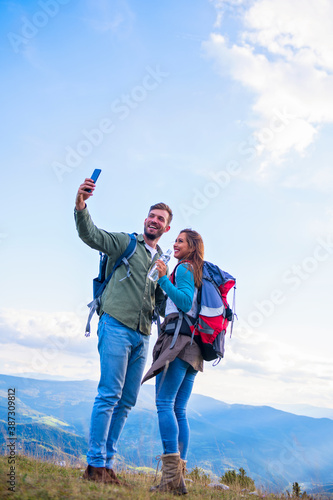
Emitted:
<point x="94" y="177"/>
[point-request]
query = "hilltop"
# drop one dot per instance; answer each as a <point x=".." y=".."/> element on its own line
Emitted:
<point x="275" y="448"/>
<point x="36" y="479"/>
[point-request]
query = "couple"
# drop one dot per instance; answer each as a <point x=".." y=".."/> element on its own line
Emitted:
<point x="123" y="336"/>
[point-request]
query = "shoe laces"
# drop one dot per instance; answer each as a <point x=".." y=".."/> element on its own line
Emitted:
<point x="159" y="459"/>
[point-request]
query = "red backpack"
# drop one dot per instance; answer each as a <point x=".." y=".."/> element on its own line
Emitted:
<point x="214" y="314"/>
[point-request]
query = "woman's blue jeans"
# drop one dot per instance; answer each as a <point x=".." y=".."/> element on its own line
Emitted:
<point x="123" y="354"/>
<point x="173" y="390"/>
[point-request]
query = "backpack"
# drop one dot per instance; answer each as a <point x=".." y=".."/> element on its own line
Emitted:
<point x="214" y="313"/>
<point x="100" y="282"/>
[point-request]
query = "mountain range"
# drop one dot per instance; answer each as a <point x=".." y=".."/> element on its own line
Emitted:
<point x="276" y="448"/>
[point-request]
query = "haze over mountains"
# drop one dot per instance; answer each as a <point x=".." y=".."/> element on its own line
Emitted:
<point x="275" y="448"/>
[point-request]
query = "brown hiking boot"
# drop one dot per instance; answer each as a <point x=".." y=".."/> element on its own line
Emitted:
<point x="97" y="474"/>
<point x="113" y="476"/>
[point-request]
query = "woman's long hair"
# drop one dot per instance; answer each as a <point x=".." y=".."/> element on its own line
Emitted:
<point x="196" y="253"/>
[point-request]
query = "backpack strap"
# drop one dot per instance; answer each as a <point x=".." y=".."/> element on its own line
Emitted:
<point x="173" y="274"/>
<point x="122" y="259"/>
<point x="234" y="315"/>
<point x="93" y="306"/>
<point x="178" y="325"/>
<point x="182" y="315"/>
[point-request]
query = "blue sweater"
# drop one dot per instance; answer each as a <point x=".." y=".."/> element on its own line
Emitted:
<point x="182" y="294"/>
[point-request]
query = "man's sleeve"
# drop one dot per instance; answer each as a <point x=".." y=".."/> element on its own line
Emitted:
<point x="109" y="243"/>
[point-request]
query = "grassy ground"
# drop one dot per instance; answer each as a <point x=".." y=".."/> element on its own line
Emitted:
<point x="36" y="479"/>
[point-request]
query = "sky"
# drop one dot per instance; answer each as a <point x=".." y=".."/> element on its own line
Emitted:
<point x="221" y="109"/>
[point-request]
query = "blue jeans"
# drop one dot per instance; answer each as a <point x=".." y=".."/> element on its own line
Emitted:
<point x="123" y="354"/>
<point x="173" y="390"/>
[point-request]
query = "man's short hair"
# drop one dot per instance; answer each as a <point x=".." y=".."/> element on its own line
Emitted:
<point x="162" y="206"/>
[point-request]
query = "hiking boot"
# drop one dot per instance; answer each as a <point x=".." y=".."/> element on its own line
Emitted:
<point x="183" y="467"/>
<point x="172" y="479"/>
<point x="113" y="476"/>
<point x="97" y="474"/>
<point x="183" y="464"/>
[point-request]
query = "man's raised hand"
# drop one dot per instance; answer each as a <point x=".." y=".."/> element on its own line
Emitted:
<point x="83" y="194"/>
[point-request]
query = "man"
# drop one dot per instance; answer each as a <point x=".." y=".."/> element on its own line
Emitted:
<point x="123" y="329"/>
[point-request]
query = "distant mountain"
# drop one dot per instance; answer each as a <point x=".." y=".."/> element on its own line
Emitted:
<point x="274" y="447"/>
<point x="306" y="410"/>
<point x="47" y="442"/>
<point x="297" y="409"/>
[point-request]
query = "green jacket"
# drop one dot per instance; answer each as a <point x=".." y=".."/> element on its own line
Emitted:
<point x="132" y="300"/>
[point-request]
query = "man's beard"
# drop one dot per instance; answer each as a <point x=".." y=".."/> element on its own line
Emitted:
<point x="153" y="237"/>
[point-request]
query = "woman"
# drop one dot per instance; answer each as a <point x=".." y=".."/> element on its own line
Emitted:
<point x="177" y="359"/>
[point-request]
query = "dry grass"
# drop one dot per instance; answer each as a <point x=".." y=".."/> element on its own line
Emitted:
<point x="37" y="479"/>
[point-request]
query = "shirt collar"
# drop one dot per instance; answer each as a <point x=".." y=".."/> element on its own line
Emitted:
<point x="140" y="238"/>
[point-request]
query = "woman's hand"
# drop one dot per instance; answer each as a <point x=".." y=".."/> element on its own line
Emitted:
<point x="161" y="267"/>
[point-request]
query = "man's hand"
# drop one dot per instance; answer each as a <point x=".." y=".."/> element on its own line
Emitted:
<point x="83" y="195"/>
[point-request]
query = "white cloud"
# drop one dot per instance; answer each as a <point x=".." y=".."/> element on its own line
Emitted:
<point x="257" y="369"/>
<point x="35" y="328"/>
<point x="283" y="55"/>
<point x="300" y="31"/>
<point x="264" y="371"/>
<point x="49" y="343"/>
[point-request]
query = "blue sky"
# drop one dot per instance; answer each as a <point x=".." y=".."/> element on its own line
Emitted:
<point x="222" y="109"/>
